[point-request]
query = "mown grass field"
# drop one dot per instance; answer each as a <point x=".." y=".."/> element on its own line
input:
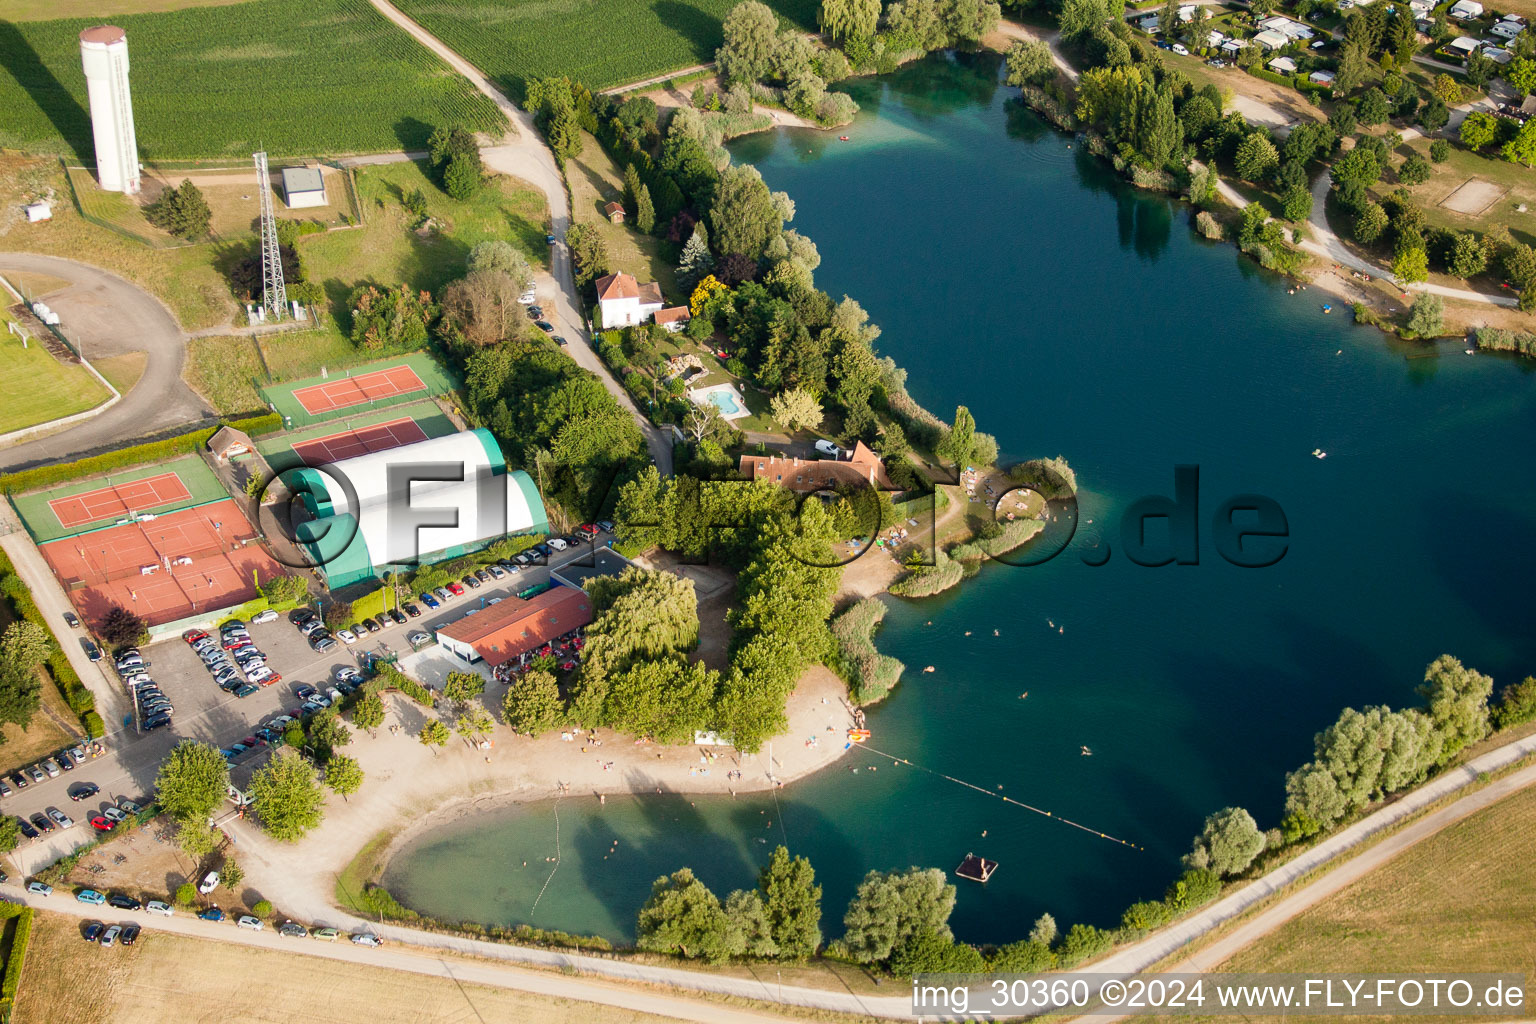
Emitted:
<point x="313" y="78"/>
<point x="596" y="181"/>
<point x="35" y="387"/>
<point x="600" y="42"/>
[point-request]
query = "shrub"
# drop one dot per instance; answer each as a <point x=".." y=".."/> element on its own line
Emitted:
<point x="1517" y="702"/>
<point x="1083" y="942"/>
<point x="18" y="955"/>
<point x="1196" y="887"/>
<point x="870" y="675"/>
<point x="94" y="729"/>
<point x="263" y="908"/>
<point x="1495" y="339"/>
<point x="1208" y="226"/>
<point x="186" y="894"/>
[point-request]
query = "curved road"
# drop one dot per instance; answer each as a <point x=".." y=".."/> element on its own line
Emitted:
<point x="107" y="316"/>
<point x="527" y="157"/>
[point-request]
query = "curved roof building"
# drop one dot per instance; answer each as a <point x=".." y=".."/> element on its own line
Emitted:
<point x="419" y="503"/>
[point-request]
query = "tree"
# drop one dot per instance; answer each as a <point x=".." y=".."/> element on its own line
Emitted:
<point x="393" y="318"/>
<point x="343" y="775"/>
<point x="1162" y="133"/>
<point x="1439" y="151"/>
<point x="1256" y="157"/>
<point x="746" y="926"/>
<point x="193" y="781"/>
<point x="485" y="306"/>
<point x="286" y="796"/>
<point x="463" y="177"/>
<point x="744" y="217"/>
<point x="958" y="445"/>
<point x="368" y="713"/>
<point x="1434" y="115"/>
<point x="1228" y="844"/>
<point x="695" y="262"/>
<point x="262" y="909"/>
<point x="792" y="900"/>
<point x="502" y="257"/>
<point x="1522" y="148"/>
<point x="475" y="722"/>
<point x="121" y="628"/>
<point x="1521" y="75"/>
<point x="1520" y="267"/>
<point x="463" y="687"/>
<point x="1083" y="942"/>
<point x="338" y="614"/>
<point x="1352" y="69"/>
<point x="751" y="31"/>
<point x="890" y="908"/>
<point x="186" y="894"/>
<point x="683" y="917"/>
<point x="1373" y="107"/>
<point x="1370" y="223"/>
<point x="532" y="703"/>
<point x="1469" y="255"/>
<point x="645" y="212"/>
<point x="182" y="211"/>
<point x="589" y="253"/>
<point x="796" y="409"/>
<point x="1410" y="261"/>
<point x="449" y="141"/>
<point x="1043" y="930"/>
<point x="1517" y="704"/>
<point x="1414" y="170"/>
<point x="196" y="839"/>
<point x="1297" y="204"/>
<point x="10" y="833"/>
<point x="1448" y="89"/>
<point x="26" y="644"/>
<point x="1456" y="699"/>
<point x="849" y="19"/>
<point x="1426" y="317"/>
<point x="231" y="874"/>
<point x="1479" y="129"/>
<point x="327" y="732"/>
<point x="433" y="734"/>
<point x="285" y="589"/>
<point x="1029" y="63"/>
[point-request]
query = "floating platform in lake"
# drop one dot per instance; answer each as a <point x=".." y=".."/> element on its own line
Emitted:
<point x="977" y="869"/>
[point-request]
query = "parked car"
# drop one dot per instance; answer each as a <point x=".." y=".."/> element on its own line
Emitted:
<point x="83" y="791"/>
<point x="374" y="625"/>
<point x="346" y="636"/>
<point x="27" y="828"/>
<point x="558" y="544"/>
<point x="93" y="931"/>
<point x="456" y="589"/>
<point x="535" y="312"/>
<point x="128" y="805"/>
<point x="471" y="582"/>
<point x="557" y="339"/>
<point x="123" y="902"/>
<point x="212" y="914"/>
<point x="101" y="824"/>
<point x="367" y="939"/>
<point x="252" y="923"/>
<point x="267" y="616"/>
<point x="325" y="934"/>
<point x="158" y="908"/>
<point x="92" y="652"/>
<point x="76" y="754"/>
<point x="396" y="616"/>
<point x="545" y="326"/>
<point x="40" y="888"/>
<point x="5" y="788"/>
<point x="60" y="818"/>
<point x="209" y="883"/>
<point x="310" y="626"/>
<point x="304" y="691"/>
<point x="443" y="593"/>
<point x="828" y="449"/>
<point x="42" y="823"/>
<point x="293" y="930"/>
<point x="497" y="572"/>
<point x="323" y="644"/>
<point x="91" y="896"/>
<point x="247" y="690"/>
<point x="109" y="936"/>
<point x="482" y="575"/>
<point x="34" y="773"/>
<point x="150" y="724"/>
<point x="1181" y="49"/>
<point x="412" y="611"/>
<point x="130" y="933"/>
<point x="418" y="640"/>
<point x="430" y="601"/>
<point x="606" y="525"/>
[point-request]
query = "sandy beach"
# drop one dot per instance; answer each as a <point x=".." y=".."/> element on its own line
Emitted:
<point x="409" y="788"/>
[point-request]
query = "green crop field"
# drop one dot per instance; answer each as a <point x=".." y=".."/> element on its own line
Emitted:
<point x="602" y="43"/>
<point x="296" y="77"/>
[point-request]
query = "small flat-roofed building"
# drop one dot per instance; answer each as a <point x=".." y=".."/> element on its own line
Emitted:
<point x="501" y="632"/>
<point x="1321" y="78"/>
<point x="1465" y="46"/>
<point x="303" y="187"/>
<point x="1498" y="54"/>
<point x="1272" y="40"/>
<point x="1234" y="46"/>
<point x="38" y="211"/>
<point x="1283" y="66"/>
<point x="1465" y="10"/>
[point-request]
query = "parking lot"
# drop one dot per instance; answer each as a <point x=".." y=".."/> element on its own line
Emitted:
<point x="203" y="712"/>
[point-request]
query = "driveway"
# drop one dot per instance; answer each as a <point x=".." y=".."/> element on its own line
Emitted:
<point x="107" y="316"/>
<point x="527" y="157"/>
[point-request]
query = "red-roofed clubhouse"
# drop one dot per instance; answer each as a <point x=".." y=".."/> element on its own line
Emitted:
<point x="503" y="631"/>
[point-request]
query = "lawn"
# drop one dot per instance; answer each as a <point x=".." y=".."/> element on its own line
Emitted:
<point x="600" y="42"/>
<point x="595" y="181"/>
<point x="122" y="371"/>
<point x="1462" y="166"/>
<point x="1460" y="900"/>
<point x="223" y="370"/>
<point x="321" y="77"/>
<point x="35" y="387"/>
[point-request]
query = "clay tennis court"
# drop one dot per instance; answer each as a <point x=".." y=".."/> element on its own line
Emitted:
<point x="182" y="563"/>
<point x="376" y="437"/>
<point x="117" y="500"/>
<point x="364" y="388"/>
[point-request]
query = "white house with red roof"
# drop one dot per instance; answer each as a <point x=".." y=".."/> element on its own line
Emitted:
<point x="624" y="302"/>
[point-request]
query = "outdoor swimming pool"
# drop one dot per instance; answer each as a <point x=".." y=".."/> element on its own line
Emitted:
<point x="724" y="397"/>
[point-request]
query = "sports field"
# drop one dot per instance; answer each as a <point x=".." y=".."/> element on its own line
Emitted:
<point x="352" y="435"/>
<point x="35" y="387"/>
<point x="599" y="42"/>
<point x="358" y="389"/>
<point x="99" y="501"/>
<point x="178" y="564"/>
<point x="312" y="78"/>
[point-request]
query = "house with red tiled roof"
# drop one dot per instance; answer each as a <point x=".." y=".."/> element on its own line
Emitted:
<point x="624" y="302"/>
<point x="673" y="318"/>
<point x="861" y="466"/>
<point x="514" y="627"/>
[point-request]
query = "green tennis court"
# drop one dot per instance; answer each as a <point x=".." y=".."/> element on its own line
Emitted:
<point x="90" y="504"/>
<point x="383" y="384"/>
<point x="279" y="448"/>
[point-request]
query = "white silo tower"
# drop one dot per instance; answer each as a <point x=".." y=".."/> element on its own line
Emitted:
<point x="104" y="52"/>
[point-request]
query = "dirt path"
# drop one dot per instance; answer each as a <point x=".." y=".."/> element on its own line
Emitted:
<point x="1011" y="30"/>
<point x="527" y="157"/>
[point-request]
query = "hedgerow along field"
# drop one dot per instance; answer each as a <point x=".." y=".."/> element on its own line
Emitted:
<point x="296" y="78"/>
<point x="601" y="43"/>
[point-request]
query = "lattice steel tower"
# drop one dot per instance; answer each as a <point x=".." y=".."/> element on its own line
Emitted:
<point x="273" y="295"/>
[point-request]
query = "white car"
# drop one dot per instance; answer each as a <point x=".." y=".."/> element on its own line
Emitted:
<point x="209" y="883"/>
<point x="267" y="616"/>
<point x="367" y="939"/>
<point x="259" y="675"/>
<point x="156" y="907"/>
<point x="528" y="297"/>
<point x="247" y="921"/>
<point x="1181" y="49"/>
<point x="334" y="694"/>
<point x="558" y="544"/>
<point x="346" y="636"/>
<point x="829" y="449"/>
<point x="135" y="680"/>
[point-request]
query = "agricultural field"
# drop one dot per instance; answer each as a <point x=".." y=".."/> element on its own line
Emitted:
<point x="48" y="10"/>
<point x="317" y="78"/>
<point x="602" y="43"/>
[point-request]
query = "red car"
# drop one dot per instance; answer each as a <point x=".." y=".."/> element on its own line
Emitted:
<point x="101" y="824"/>
<point x="567" y="665"/>
<point x="192" y="636"/>
<point x="456" y="589"/>
<point x="588" y="529"/>
<point x="235" y="643"/>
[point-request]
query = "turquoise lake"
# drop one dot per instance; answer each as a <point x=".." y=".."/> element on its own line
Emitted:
<point x="1012" y="272"/>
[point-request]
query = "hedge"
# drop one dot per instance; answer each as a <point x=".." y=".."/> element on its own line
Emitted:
<point x="134" y="455"/>
<point x="17" y="957"/>
<point x="1270" y="76"/>
<point x="94" y="729"/>
<point x="393" y="679"/>
<point x="369" y="605"/>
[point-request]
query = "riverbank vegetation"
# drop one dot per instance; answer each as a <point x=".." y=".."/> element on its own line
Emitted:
<point x="869" y="674"/>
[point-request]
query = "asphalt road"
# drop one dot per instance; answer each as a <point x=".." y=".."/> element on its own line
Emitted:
<point x="106" y="316"/>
